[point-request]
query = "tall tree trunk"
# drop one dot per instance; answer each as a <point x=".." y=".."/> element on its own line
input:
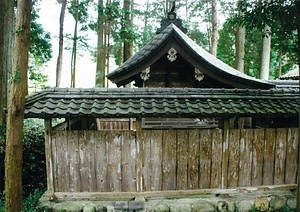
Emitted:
<point x="240" y="47"/>
<point x="101" y="51"/>
<point x="298" y="171"/>
<point x="128" y="41"/>
<point x="214" y="36"/>
<point x="265" y="55"/>
<point x="280" y="60"/>
<point x="15" y="118"/>
<point x="61" y="42"/>
<point x="74" y="48"/>
<point x="6" y="61"/>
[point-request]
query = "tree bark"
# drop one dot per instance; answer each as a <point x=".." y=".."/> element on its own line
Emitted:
<point x="61" y="42"/>
<point x="74" y="48"/>
<point x="265" y="55"/>
<point x="6" y="60"/>
<point x="298" y="172"/>
<point x="128" y="41"/>
<point x="6" y="53"/>
<point x="101" y="60"/>
<point x="214" y="36"/>
<point x="240" y="47"/>
<point x="14" y="132"/>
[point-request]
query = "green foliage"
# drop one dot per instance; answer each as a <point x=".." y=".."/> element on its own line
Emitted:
<point x="226" y="44"/>
<point x="30" y="202"/>
<point x="40" y="50"/>
<point x="16" y="76"/>
<point x="280" y="15"/>
<point x="34" y="167"/>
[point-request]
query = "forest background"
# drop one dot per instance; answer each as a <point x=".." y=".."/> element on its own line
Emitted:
<point x="257" y="37"/>
<point x="146" y="17"/>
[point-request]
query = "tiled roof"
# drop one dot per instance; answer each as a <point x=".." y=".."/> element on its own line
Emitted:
<point x="291" y="75"/>
<point x="140" y="60"/>
<point x="161" y="102"/>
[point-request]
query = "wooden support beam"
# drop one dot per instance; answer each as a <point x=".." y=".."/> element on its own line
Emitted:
<point x="71" y="196"/>
<point x="49" y="157"/>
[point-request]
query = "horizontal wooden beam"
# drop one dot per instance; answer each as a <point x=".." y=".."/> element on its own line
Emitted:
<point x="63" y="196"/>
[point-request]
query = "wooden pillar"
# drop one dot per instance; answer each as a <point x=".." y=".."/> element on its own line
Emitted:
<point x="49" y="157"/>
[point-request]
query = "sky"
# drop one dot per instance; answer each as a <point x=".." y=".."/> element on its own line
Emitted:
<point x="85" y="73"/>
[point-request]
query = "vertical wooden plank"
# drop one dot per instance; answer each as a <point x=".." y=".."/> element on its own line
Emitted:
<point x="49" y="157"/>
<point x="246" y="141"/>
<point x="62" y="161"/>
<point x="156" y="162"/>
<point x="280" y="155"/>
<point x="233" y="166"/>
<point x="84" y="160"/>
<point x="216" y="161"/>
<point x="114" y="145"/>
<point x="257" y="162"/>
<point x="205" y="158"/>
<point x="269" y="157"/>
<point x="128" y="162"/>
<point x="101" y="161"/>
<point x="182" y="158"/>
<point x="225" y="156"/>
<point x="193" y="159"/>
<point x="139" y="156"/>
<point x="74" y="162"/>
<point x="54" y="140"/>
<point x="291" y="156"/>
<point x="92" y="164"/>
<point x="169" y="160"/>
<point x="147" y="159"/>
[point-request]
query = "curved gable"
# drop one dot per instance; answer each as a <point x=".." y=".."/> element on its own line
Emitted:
<point x="171" y="37"/>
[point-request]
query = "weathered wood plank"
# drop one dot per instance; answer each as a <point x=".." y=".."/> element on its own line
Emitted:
<point x="257" y="162"/>
<point x="62" y="161"/>
<point x="92" y="168"/>
<point x="193" y="159"/>
<point x="216" y="161"/>
<point x="205" y="158"/>
<point x="84" y="140"/>
<point x="156" y="161"/>
<point x="233" y="165"/>
<point x="101" y="161"/>
<point x="269" y="157"/>
<point x="113" y="145"/>
<point x="114" y="196"/>
<point x="169" y="160"/>
<point x="280" y="155"/>
<point x="291" y="156"/>
<point x="182" y="158"/>
<point x="49" y="156"/>
<point x="225" y="156"/>
<point x="74" y="161"/>
<point x="147" y="159"/>
<point x="139" y="156"/>
<point x="246" y="141"/>
<point x="54" y="139"/>
<point x="128" y="162"/>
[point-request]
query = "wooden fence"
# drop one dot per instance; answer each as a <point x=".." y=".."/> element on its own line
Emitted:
<point x="159" y="160"/>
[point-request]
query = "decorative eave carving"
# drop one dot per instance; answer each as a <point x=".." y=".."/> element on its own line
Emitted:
<point x="172" y="54"/>
<point x="145" y="74"/>
<point x="199" y="75"/>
